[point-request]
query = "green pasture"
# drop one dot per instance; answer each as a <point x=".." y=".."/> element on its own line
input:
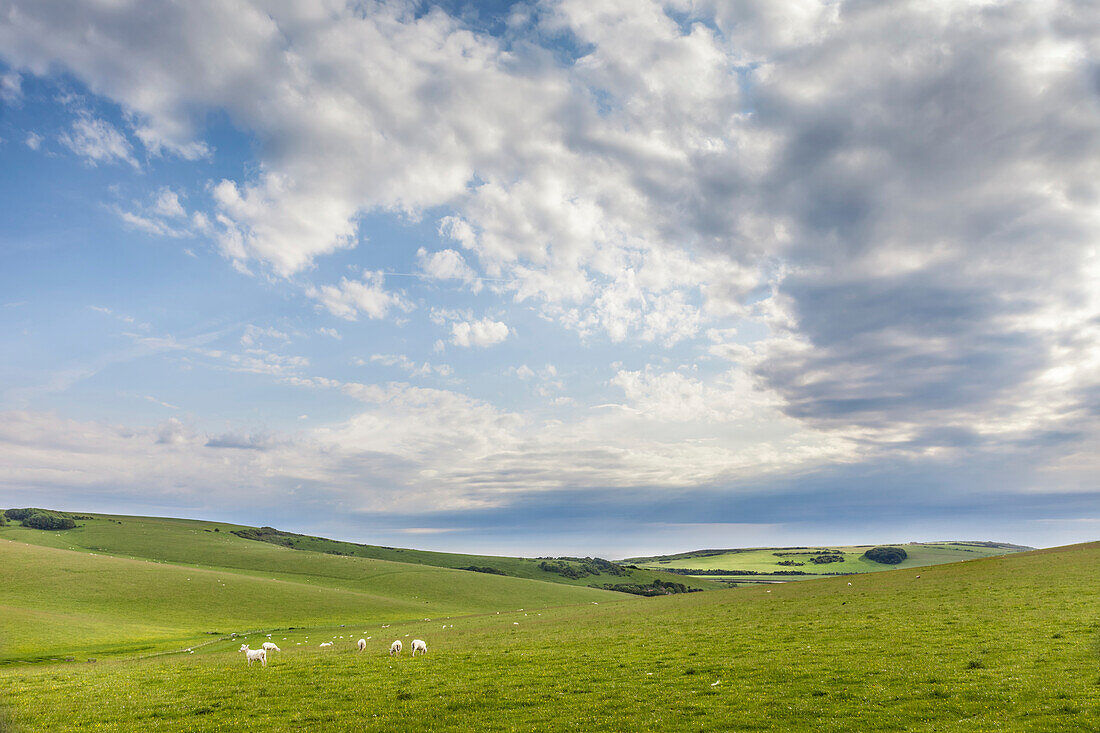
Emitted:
<point x="195" y="543"/>
<point x="998" y="644"/>
<point x="61" y="603"/>
<point x="768" y="559"/>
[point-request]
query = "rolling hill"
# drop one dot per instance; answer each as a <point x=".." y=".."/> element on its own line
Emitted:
<point x="997" y="643"/>
<point x="252" y="549"/>
<point x="118" y="585"/>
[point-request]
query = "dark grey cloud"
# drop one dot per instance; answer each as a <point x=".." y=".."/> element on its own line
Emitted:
<point x="937" y="171"/>
<point x="889" y="349"/>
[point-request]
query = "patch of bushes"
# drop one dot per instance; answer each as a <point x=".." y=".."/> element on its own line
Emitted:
<point x="36" y="518"/>
<point x="656" y="588"/>
<point x="483" y="569"/>
<point x="825" y="559"/>
<point x="886" y="555"/>
<point x="790" y="562"/>
<point x="49" y="520"/>
<point x="579" y="567"/>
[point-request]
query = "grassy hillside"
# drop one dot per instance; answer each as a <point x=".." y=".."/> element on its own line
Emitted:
<point x="60" y="602"/>
<point x="772" y="564"/>
<point x="1004" y="643"/>
<point x="194" y="542"/>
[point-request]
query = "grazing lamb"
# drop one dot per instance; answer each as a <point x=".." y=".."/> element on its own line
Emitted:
<point x="395" y="648"/>
<point x="254" y="655"/>
<point x="326" y="643"/>
<point x="270" y="647"/>
<point x="419" y="646"/>
<point x="362" y="645"/>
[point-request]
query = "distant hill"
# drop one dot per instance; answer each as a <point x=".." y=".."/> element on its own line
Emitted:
<point x="118" y="584"/>
<point x="783" y="564"/>
<point x="126" y="585"/>
<point x="594" y="572"/>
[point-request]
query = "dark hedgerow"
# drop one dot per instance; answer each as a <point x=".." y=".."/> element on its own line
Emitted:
<point x="886" y="555"/>
<point x="483" y="569"/>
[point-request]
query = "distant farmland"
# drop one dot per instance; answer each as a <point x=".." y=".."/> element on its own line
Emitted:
<point x="784" y="564"/>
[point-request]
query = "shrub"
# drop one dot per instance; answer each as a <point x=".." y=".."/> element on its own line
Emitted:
<point x="886" y="555"/>
<point x="49" y="520"/>
<point x="656" y="588"/>
<point x="826" y="559"/>
<point x="20" y="514"/>
<point x="483" y="569"/>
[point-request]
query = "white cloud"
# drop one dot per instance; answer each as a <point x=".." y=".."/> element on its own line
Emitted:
<point x="148" y="224"/>
<point x="888" y="233"/>
<point x="11" y="87"/>
<point x="422" y="369"/>
<point x="254" y="334"/>
<point x="97" y="141"/>
<point x="484" y="332"/>
<point x="168" y="204"/>
<point x="448" y="264"/>
<point x="33" y="140"/>
<point x="352" y="297"/>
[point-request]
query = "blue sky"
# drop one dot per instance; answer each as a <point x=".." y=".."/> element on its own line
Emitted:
<point x="555" y="277"/>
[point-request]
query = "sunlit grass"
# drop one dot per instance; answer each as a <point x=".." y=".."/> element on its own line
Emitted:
<point x="997" y="644"/>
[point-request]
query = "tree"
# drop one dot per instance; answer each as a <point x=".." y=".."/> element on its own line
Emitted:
<point x="886" y="555"/>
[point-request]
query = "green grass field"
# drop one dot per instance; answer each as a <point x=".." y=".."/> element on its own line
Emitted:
<point x="998" y="643"/>
<point x="195" y="543"/>
<point x="763" y="563"/>
<point x="62" y="602"/>
<point x="1005" y="643"/>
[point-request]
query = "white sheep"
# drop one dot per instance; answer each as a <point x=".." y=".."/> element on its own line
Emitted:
<point x="395" y="648"/>
<point x="362" y="643"/>
<point x="254" y="655"/>
<point x="326" y="643"/>
<point x="419" y="646"/>
<point x="270" y="647"/>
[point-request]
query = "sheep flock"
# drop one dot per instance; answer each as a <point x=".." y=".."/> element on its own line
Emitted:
<point x="419" y="646"/>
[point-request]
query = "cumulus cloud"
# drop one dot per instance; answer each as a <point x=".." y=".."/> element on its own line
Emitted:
<point x="448" y="264"/>
<point x="352" y="297"/>
<point x="889" y="235"/>
<point x="484" y="332"/>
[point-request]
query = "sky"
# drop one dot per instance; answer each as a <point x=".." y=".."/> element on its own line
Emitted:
<point x="610" y="277"/>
